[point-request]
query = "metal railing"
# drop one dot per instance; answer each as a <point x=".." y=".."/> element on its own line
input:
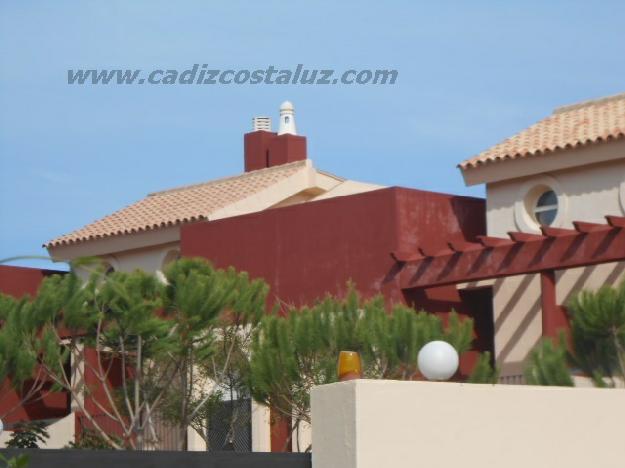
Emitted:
<point x="513" y="379"/>
<point x="168" y="436"/>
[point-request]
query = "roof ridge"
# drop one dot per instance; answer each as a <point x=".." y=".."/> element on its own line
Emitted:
<point x="224" y="179"/>
<point x="330" y="174"/>
<point x="588" y="103"/>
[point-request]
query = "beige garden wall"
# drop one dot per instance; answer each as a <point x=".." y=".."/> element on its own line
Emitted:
<point x="376" y="423"/>
<point x="61" y="432"/>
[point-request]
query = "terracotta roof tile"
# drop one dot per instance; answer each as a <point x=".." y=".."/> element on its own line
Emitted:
<point x="180" y="205"/>
<point x="568" y="127"/>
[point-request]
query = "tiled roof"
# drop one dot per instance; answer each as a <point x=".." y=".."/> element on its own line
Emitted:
<point x="180" y="205"/>
<point x="568" y="127"/>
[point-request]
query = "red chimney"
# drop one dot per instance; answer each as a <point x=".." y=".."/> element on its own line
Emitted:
<point x="256" y="149"/>
<point x="264" y="148"/>
<point x="286" y="148"/>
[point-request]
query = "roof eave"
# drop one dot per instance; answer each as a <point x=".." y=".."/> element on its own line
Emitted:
<point x="508" y="168"/>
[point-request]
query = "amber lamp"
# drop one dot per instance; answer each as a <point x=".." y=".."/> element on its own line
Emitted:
<point x="349" y="367"/>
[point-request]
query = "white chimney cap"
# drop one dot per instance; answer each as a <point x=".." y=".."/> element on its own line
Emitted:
<point x="286" y="105"/>
<point x="287" y="119"/>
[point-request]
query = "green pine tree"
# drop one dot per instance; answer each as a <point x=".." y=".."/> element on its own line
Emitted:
<point x="598" y="333"/>
<point x="597" y="342"/>
<point x="547" y="365"/>
<point x="28" y="435"/>
<point x="484" y="372"/>
<point x="178" y="342"/>
<point x="295" y="352"/>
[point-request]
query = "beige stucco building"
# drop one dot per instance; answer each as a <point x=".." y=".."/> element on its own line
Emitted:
<point x="568" y="167"/>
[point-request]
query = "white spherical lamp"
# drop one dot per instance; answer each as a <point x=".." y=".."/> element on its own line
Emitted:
<point x="438" y="360"/>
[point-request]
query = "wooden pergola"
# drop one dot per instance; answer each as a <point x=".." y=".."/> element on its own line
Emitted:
<point x="519" y="254"/>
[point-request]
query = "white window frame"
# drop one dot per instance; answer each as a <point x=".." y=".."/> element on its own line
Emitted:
<point x="526" y="200"/>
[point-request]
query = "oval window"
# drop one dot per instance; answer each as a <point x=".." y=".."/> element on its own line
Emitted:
<point x="546" y="208"/>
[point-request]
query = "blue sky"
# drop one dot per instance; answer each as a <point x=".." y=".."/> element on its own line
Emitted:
<point x="470" y="74"/>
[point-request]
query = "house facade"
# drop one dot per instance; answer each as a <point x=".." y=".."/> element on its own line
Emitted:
<point x="568" y="167"/>
<point x="146" y="234"/>
<point x="510" y="262"/>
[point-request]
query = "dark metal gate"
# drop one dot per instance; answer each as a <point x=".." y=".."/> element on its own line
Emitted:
<point x="230" y="426"/>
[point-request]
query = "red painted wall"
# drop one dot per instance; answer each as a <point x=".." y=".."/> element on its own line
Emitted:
<point x="17" y="282"/>
<point x="305" y="251"/>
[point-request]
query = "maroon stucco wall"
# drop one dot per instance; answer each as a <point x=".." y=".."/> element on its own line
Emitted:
<point x="305" y="251"/>
<point x="18" y="281"/>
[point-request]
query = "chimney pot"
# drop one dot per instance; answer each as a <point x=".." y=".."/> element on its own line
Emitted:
<point x="261" y="123"/>
<point x="264" y="148"/>
<point x="287" y="119"/>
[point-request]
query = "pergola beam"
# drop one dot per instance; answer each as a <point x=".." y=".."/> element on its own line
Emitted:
<point x="524" y="236"/>
<point x="616" y="221"/>
<point x="556" y="232"/>
<point x="429" y="253"/>
<point x="463" y="246"/>
<point x="529" y="253"/>
<point x="489" y="241"/>
<point x="585" y="227"/>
